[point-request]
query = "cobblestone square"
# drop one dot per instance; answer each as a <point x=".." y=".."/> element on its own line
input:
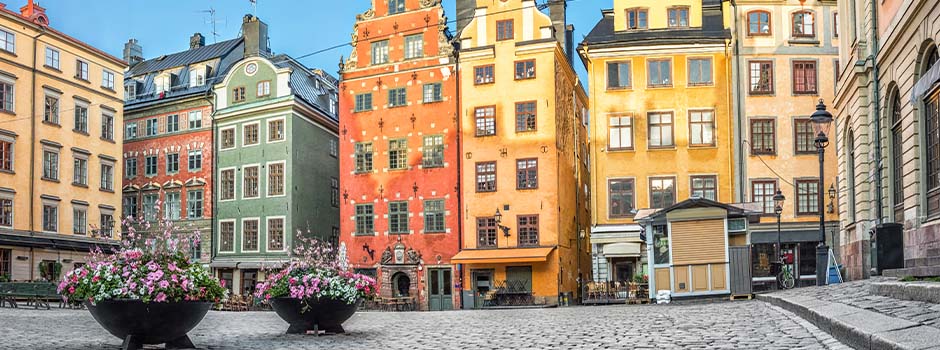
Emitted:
<point x="724" y="325"/>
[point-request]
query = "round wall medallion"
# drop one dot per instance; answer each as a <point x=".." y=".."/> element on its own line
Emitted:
<point x="251" y="68"/>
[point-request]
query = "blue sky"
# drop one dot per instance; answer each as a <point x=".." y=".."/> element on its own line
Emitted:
<point x="296" y="27"/>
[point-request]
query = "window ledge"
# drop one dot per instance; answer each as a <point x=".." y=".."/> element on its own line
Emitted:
<point x="106" y="190"/>
<point x="5" y="171"/>
<point x="49" y="179"/>
<point x="3" y="111"/>
<point x="803" y="41"/>
<point x="52" y="124"/>
<point x="79" y="185"/>
<point x="666" y="148"/>
<point x="52" y="68"/>
<point x="80" y="132"/>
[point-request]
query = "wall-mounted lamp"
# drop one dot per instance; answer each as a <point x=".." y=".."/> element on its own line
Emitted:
<point x="831" y="208"/>
<point x="499" y="218"/>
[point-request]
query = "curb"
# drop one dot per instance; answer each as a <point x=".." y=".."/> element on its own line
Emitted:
<point x="917" y="291"/>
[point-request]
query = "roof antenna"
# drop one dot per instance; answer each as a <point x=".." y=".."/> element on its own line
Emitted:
<point x="213" y="22"/>
<point x="254" y="7"/>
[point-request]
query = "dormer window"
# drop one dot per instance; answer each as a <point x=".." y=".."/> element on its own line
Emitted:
<point x="197" y="76"/>
<point x="636" y="18"/>
<point x="130" y="91"/>
<point x="163" y="82"/>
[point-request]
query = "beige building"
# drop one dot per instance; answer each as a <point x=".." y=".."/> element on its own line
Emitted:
<point x="59" y="151"/>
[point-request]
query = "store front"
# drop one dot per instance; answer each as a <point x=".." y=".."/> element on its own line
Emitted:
<point x="798" y="249"/>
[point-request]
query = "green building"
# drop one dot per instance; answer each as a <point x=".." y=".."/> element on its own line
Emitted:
<point x="277" y="170"/>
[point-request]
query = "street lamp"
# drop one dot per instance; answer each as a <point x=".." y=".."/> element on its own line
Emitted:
<point x="499" y="218"/>
<point x="822" y="120"/>
<point x="778" y="209"/>
<point x="832" y="198"/>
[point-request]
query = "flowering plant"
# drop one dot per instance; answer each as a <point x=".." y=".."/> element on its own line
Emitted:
<point x="316" y="271"/>
<point x="151" y="268"/>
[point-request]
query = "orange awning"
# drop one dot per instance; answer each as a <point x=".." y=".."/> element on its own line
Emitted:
<point x="501" y="256"/>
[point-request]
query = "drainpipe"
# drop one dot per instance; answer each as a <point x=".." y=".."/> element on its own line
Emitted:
<point x="210" y="96"/>
<point x="876" y="96"/>
<point x="737" y="108"/>
<point x="459" y="118"/>
<point x="32" y="149"/>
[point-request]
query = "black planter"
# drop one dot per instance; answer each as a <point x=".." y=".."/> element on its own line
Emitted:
<point x="140" y="323"/>
<point x="320" y="314"/>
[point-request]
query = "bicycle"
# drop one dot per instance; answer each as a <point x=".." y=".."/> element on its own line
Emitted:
<point x="785" y="278"/>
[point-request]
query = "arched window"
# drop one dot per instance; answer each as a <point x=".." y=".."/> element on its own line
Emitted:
<point x="401" y="284"/>
<point x="758" y="23"/>
<point x="850" y="174"/>
<point x="931" y="140"/>
<point x="931" y="58"/>
<point x="897" y="157"/>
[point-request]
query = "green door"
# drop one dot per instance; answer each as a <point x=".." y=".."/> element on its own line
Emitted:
<point x="441" y="296"/>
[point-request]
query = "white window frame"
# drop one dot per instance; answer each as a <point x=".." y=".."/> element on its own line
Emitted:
<point x="58" y="163"/>
<point x="245" y="174"/>
<point x="189" y="156"/>
<point x="80" y="156"/>
<point x="189" y="202"/>
<point x="190" y="119"/>
<point x="162" y="83"/>
<point x="84" y="227"/>
<point x="234" y="137"/>
<point x="197" y="76"/>
<point x="10" y="197"/>
<point x="267" y="230"/>
<point x="110" y="184"/>
<point x="105" y="81"/>
<point x="54" y="55"/>
<point x="51" y="203"/>
<point x="80" y="63"/>
<point x="12" y="142"/>
<point x="267" y="179"/>
<point x="257" y="219"/>
<point x="4" y="33"/>
<point x="127" y="128"/>
<point x="234" y="236"/>
<point x="268" y="130"/>
<point x="234" y="184"/>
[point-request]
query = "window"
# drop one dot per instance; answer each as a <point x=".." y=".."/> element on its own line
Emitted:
<point x="52" y="57"/>
<point x="398" y="217"/>
<point x="432" y="93"/>
<point x="264" y="88"/>
<point x="130" y="131"/>
<point x="364" y="102"/>
<point x="485" y="121"/>
<point x="250" y="235"/>
<point x="228" y="138"/>
<point x="334" y="148"/>
<point x="194" y="202"/>
<point x="150" y="165"/>
<point x="276" y="130"/>
<point x="173" y="123"/>
<point x="932" y="117"/>
<point x="6" y="264"/>
<point x="107" y="79"/>
<point x="700" y="71"/>
<point x="528" y="230"/>
<point x="276" y="234"/>
<point x="762" y="191"/>
<point x="660" y="72"/>
<point x="702" y="128"/>
<point x="130" y="206"/>
<point x="621" y="195"/>
<point x="197" y="77"/>
<point x="398" y="154"/>
<point x="527" y="174"/>
<point x="763" y="137"/>
<point x="227" y="236"/>
<point x="835" y="24"/>
<point x="762" y="77"/>
<point x="484" y="75"/>
<point x="433" y="156"/>
<point x="363" y="157"/>
<point x="705" y="187"/>
<point x="250" y="182"/>
<point x="525" y="116"/>
<point x="238" y="94"/>
<point x="130" y="168"/>
<point x="6" y="212"/>
<point x="6" y="97"/>
<point x="414" y="46"/>
<point x="107" y="177"/>
<point x="130" y="90"/>
<point x="80" y="221"/>
<point x="434" y="215"/>
<point x="152" y="127"/>
<point x="620" y="133"/>
<point x="51" y="110"/>
<point x="396" y="6"/>
<point x="678" y="17"/>
<point x="804" y="77"/>
<point x="364" y="219"/>
<point x="758" y="23"/>
<point x="807" y="197"/>
<point x="250" y="134"/>
<point x="897" y="156"/>
<point x="662" y="192"/>
<point x="486" y="177"/>
<point x="661" y="250"/>
<point x="106" y="228"/>
<point x="81" y="118"/>
<point x="195" y="119"/>
<point x="50" y="218"/>
<point x="805" y="136"/>
<point x="660" y="130"/>
<point x="525" y="70"/>
<point x="397" y="97"/>
<point x="380" y="52"/>
<point x="227" y="184"/>
<point x="80" y="171"/>
<point x="636" y="18"/>
<point x="81" y="70"/>
<point x="162" y="83"/>
<point x="619" y="75"/>
<point x="150" y="206"/>
<point x="486" y="232"/>
<point x="276" y="179"/>
<point x="504" y="30"/>
<point x="171" y="206"/>
<point x="334" y="192"/>
<point x="107" y="127"/>
<point x="195" y="160"/>
<point x="172" y="163"/>
<point x="50" y="165"/>
<point x="803" y="24"/>
<point x="6" y="155"/>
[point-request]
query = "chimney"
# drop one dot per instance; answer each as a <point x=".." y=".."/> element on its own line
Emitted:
<point x="712" y="16"/>
<point x="465" y="12"/>
<point x="255" y="33"/>
<point x="196" y="41"/>
<point x="556" y="10"/>
<point x="34" y="13"/>
<point x="133" y="53"/>
<point x="569" y="43"/>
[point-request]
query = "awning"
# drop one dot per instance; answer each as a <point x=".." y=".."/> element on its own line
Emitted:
<point x="80" y="246"/>
<point x="503" y="255"/>
<point x="25" y="241"/>
<point x="622" y="250"/>
<point x="926" y="83"/>
<point x="223" y="264"/>
<point x="260" y="265"/>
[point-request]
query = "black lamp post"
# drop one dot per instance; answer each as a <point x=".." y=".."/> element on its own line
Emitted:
<point x="499" y="218"/>
<point x="778" y="209"/>
<point x="822" y="120"/>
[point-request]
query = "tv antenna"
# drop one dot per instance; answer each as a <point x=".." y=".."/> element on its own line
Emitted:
<point x="215" y="33"/>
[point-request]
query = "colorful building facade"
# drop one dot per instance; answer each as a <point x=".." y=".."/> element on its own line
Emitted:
<point x="523" y="142"/>
<point x="60" y="167"/>
<point x="399" y="157"/>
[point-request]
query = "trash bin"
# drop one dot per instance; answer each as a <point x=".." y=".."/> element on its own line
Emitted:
<point x="889" y="243"/>
<point x="469" y="299"/>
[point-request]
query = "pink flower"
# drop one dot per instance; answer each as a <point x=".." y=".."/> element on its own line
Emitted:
<point x="164" y="284"/>
<point x="160" y="297"/>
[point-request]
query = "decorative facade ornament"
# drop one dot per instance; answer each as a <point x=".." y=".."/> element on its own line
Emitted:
<point x="414" y="257"/>
<point x="428" y="3"/>
<point x="444" y="46"/>
<point x="366" y="15"/>
<point x="387" y="256"/>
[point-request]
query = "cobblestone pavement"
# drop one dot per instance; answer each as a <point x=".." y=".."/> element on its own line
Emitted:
<point x="858" y="294"/>
<point x="724" y="325"/>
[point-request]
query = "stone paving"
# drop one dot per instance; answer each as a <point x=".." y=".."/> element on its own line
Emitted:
<point x="726" y="325"/>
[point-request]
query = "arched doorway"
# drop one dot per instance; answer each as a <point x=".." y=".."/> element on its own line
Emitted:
<point x="401" y="285"/>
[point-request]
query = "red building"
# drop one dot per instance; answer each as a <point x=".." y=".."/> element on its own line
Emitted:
<point x="399" y="153"/>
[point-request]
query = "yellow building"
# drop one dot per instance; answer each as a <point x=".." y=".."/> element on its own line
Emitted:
<point x="660" y="86"/>
<point x="523" y="142"/>
<point x="59" y="149"/>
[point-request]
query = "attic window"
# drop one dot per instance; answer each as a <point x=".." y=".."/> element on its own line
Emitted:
<point x="197" y="76"/>
<point x="163" y="83"/>
<point x="161" y="57"/>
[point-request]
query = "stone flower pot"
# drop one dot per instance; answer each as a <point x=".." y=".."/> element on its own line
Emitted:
<point x="139" y="323"/>
<point x="320" y="314"/>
